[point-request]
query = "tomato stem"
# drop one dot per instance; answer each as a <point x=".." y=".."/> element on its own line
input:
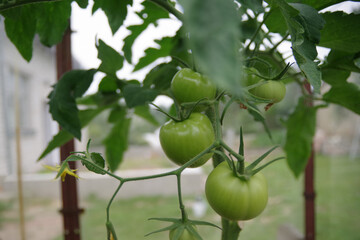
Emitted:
<point x="181" y="204"/>
<point x="111" y="200"/>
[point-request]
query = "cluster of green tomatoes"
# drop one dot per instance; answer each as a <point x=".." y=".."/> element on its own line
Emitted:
<point x="232" y="197"/>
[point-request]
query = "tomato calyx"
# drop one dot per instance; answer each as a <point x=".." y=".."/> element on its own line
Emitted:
<point x="238" y="167"/>
<point x="182" y="228"/>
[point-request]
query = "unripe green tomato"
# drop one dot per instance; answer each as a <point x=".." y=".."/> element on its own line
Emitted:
<point x="190" y="86"/>
<point x="234" y="198"/>
<point x="186" y="235"/>
<point x="271" y="90"/>
<point x="181" y="141"/>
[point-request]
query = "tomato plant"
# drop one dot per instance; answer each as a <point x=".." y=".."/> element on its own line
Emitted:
<point x="190" y="86"/>
<point x="181" y="141"/>
<point x="252" y="39"/>
<point x="235" y="198"/>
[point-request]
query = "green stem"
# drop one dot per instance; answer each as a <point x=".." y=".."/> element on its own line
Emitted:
<point x="232" y="152"/>
<point x="193" y="160"/>
<point x="170" y="8"/>
<point x="278" y="43"/>
<point x="111" y="200"/>
<point x="266" y="15"/>
<point x="181" y="204"/>
<point x="230" y="230"/>
<point x="97" y="167"/>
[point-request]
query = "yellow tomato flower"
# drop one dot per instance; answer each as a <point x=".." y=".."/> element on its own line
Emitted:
<point x="62" y="171"/>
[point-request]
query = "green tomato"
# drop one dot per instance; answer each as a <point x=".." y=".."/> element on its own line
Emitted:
<point x="186" y="235"/>
<point x="190" y="86"/>
<point x="181" y="141"/>
<point x="271" y="90"/>
<point x="234" y="198"/>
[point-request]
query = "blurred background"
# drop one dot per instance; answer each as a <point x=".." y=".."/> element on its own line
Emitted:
<point x="337" y="162"/>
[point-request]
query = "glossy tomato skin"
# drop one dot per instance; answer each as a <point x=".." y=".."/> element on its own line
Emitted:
<point x="186" y="235"/>
<point x="271" y="90"/>
<point x="181" y="141"/>
<point x="233" y="198"/>
<point x="190" y="86"/>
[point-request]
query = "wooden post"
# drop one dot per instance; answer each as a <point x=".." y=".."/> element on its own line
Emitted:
<point x="309" y="189"/>
<point x="70" y="210"/>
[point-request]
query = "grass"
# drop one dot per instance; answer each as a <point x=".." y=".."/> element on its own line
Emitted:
<point x="4" y="206"/>
<point x="338" y="207"/>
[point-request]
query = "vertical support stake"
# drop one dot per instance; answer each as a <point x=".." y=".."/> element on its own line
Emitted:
<point x="70" y="209"/>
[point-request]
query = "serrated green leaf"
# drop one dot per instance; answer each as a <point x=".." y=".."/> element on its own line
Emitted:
<point x="160" y="76"/>
<point x="97" y="159"/>
<point x="62" y="102"/>
<point x="275" y="22"/>
<point x="92" y="168"/>
<point x="149" y="14"/>
<point x="342" y="61"/>
<point x="341" y="32"/>
<point x="346" y="95"/>
<point x="115" y="10"/>
<point x="52" y="21"/>
<point x="136" y="95"/>
<point x="300" y="126"/>
<point x="304" y="24"/>
<point x="111" y="60"/>
<point x="58" y="140"/>
<point x="108" y="84"/>
<point x="214" y="32"/>
<point x="82" y="3"/>
<point x="20" y="27"/>
<point x="166" y="44"/>
<point x="144" y="112"/>
<point x="335" y="76"/>
<point x="116" y="142"/>
<point x="255" y="5"/>
<point x="64" y="136"/>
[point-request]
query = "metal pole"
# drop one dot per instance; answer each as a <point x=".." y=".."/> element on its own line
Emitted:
<point x="70" y="209"/>
<point x="309" y="188"/>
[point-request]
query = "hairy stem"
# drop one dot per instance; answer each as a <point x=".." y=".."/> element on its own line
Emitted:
<point x="111" y="200"/>
<point x="168" y="7"/>
<point x="181" y="204"/>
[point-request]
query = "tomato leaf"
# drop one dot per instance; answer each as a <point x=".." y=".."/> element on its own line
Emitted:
<point x="64" y="136"/>
<point x="52" y="21"/>
<point x="342" y="61"/>
<point x="166" y="44"/>
<point x="346" y="95"/>
<point x="115" y="10"/>
<point x="214" y="32"/>
<point x="160" y="76"/>
<point x="323" y="3"/>
<point x="304" y="24"/>
<point x="300" y="132"/>
<point x="339" y="34"/>
<point x="20" y="27"/>
<point x="255" y="5"/>
<point x="116" y="142"/>
<point x="136" y="95"/>
<point x="149" y="15"/>
<point x="62" y="102"/>
<point x="111" y="60"/>
<point x="82" y="3"/>
<point x="97" y="159"/>
<point x="144" y="112"/>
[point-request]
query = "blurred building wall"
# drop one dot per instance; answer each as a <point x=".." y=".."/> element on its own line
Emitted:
<point x="34" y="84"/>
